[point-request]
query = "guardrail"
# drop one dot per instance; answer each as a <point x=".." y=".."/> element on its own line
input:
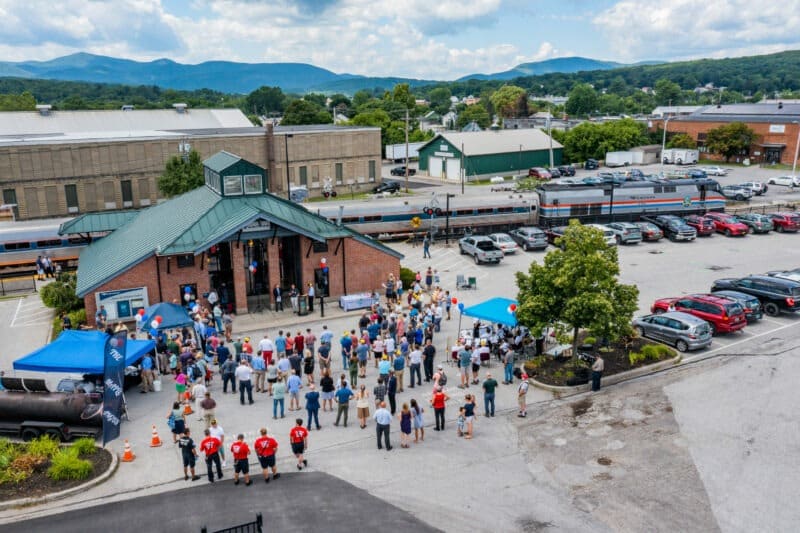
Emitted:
<point x="255" y="526"/>
<point x="10" y="283"/>
<point x="763" y="209"/>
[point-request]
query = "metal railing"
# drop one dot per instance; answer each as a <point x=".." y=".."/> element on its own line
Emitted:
<point x="255" y="526"/>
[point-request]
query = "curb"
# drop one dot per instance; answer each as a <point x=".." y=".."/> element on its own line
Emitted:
<point x="613" y="379"/>
<point x="27" y="502"/>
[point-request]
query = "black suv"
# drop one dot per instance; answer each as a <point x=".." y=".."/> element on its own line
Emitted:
<point x="401" y="171"/>
<point x="387" y="186"/>
<point x="776" y="294"/>
<point x="567" y="170"/>
<point x="591" y="164"/>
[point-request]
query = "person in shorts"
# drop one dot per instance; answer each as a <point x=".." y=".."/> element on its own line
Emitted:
<point x="298" y="437"/>
<point x="266" y="447"/>
<point x="188" y="454"/>
<point x="240" y="451"/>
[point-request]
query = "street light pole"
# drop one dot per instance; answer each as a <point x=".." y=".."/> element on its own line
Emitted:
<point x="447" y="219"/>
<point x="288" y="178"/>
<point x="664" y="144"/>
<point x="796" y="149"/>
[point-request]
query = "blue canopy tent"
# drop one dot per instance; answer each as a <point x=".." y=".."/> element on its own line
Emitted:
<point x="78" y="352"/>
<point x="172" y="316"/>
<point x="494" y="310"/>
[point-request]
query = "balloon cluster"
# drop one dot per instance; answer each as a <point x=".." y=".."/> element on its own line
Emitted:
<point x="253" y="267"/>
<point x="512" y="309"/>
<point x="323" y="264"/>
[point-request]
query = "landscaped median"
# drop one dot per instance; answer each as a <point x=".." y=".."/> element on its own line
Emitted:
<point x="43" y="470"/>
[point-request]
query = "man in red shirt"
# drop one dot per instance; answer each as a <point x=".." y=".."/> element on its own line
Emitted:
<point x="240" y="451"/>
<point x="265" y="450"/>
<point x="298" y="436"/>
<point x="210" y="446"/>
<point x="299" y="343"/>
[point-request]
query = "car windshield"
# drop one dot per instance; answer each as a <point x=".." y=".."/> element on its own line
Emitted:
<point x="733" y="309"/>
<point x="702" y="329"/>
<point x="503" y="238"/>
<point x="485" y="245"/>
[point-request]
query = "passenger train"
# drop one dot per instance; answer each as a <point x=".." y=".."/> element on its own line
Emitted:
<point x="21" y="242"/>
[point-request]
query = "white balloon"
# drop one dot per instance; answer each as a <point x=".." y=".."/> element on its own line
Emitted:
<point x="154" y="323"/>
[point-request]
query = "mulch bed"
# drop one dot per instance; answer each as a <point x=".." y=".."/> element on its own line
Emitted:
<point x="38" y="484"/>
<point x="557" y="371"/>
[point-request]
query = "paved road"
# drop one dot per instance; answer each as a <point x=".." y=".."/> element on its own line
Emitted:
<point x="308" y="501"/>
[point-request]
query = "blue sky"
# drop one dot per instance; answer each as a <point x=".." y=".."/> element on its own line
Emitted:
<point x="431" y="39"/>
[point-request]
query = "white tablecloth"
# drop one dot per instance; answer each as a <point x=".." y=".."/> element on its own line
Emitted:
<point x="356" y="301"/>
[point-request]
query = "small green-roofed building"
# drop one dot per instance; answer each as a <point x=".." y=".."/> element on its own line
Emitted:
<point x="230" y="238"/>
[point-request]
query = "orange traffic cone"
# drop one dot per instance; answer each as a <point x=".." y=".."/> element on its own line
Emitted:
<point x="128" y="455"/>
<point x="155" y="440"/>
<point x="187" y="409"/>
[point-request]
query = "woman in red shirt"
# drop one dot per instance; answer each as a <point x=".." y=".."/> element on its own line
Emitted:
<point x="438" y="402"/>
<point x="298" y="437"/>
<point x="240" y="451"/>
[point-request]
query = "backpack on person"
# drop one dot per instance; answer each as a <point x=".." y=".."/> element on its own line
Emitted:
<point x="442" y="379"/>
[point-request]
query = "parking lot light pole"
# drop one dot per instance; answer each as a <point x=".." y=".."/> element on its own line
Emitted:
<point x="664" y="144"/>
<point x="288" y="178"/>
<point x="447" y="219"/>
<point x="796" y="148"/>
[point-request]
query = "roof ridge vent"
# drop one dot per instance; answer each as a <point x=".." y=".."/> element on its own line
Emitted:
<point x="180" y="107"/>
<point x="44" y="109"/>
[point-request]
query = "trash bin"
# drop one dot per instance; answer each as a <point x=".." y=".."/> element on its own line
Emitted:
<point x="302" y="306"/>
<point x="157" y="385"/>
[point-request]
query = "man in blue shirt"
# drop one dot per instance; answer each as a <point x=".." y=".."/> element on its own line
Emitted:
<point x="383" y="419"/>
<point x="383" y="368"/>
<point x="280" y="344"/>
<point x="259" y="368"/>
<point x="363" y="354"/>
<point x="399" y="368"/>
<point x="223" y="353"/>
<point x="293" y="386"/>
<point x="464" y="360"/>
<point x="343" y="397"/>
<point x="326" y="336"/>
<point x="347" y="345"/>
<point x="147" y="374"/>
<point x="373" y="330"/>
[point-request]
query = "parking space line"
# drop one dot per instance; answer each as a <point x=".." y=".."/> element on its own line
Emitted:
<point x="771" y="321"/>
<point x="750" y="338"/>
<point x="16" y="312"/>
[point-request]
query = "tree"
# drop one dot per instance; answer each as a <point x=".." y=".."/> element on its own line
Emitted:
<point x="440" y="99"/>
<point x="17" y="102"/>
<point x="475" y="112"/>
<point x="403" y="96"/>
<point x="181" y="175"/>
<point x="730" y="139"/>
<point x="60" y="294"/>
<point x="581" y="100"/>
<point x="667" y="92"/>
<point x="510" y="101"/>
<point x="361" y="97"/>
<point x="301" y="112"/>
<point x="681" y="140"/>
<point x="317" y="98"/>
<point x="594" y="140"/>
<point x="577" y="288"/>
<point x="265" y="100"/>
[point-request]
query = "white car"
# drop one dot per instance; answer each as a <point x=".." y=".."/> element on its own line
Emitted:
<point x="608" y="234"/>
<point x="786" y="181"/>
<point x="497" y="179"/>
<point x="504" y="242"/>
<point x="715" y="171"/>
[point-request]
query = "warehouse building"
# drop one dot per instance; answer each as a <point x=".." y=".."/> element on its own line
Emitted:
<point x="230" y="236"/>
<point x="60" y="163"/>
<point x="487" y="153"/>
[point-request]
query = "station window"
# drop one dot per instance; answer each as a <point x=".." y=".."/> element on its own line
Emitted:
<point x="253" y="184"/>
<point x="71" y="194"/>
<point x="304" y="175"/>
<point x="233" y="185"/>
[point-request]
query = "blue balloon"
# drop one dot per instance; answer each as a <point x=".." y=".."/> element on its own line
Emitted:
<point x="187" y="290"/>
<point x="154" y="333"/>
<point x="254" y="264"/>
<point x="145" y="318"/>
<point x="460" y="306"/>
<point x="325" y="270"/>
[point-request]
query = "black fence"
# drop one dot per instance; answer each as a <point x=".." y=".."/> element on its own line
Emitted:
<point x="255" y="526"/>
<point x="762" y="209"/>
<point x="13" y="283"/>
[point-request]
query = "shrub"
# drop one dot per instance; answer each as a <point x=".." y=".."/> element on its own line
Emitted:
<point x="44" y="447"/>
<point x="26" y="462"/>
<point x="650" y="352"/>
<point x="636" y="358"/>
<point x="77" y="317"/>
<point x="60" y="294"/>
<point x="66" y="465"/>
<point x="83" y="446"/>
<point x="408" y="277"/>
<point x="590" y="340"/>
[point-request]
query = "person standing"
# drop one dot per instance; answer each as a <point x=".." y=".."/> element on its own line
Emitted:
<point x="266" y="447"/>
<point x="522" y="400"/>
<point x="343" y="396"/>
<point x="362" y="405"/>
<point x="228" y="370"/>
<point x="346" y="343"/>
<point x="293" y="385"/>
<point x="312" y="407"/>
<point x="243" y="373"/>
<point x="308" y="365"/>
<point x="259" y="369"/>
<point x="415" y="363"/>
<point x="438" y="401"/>
<point x="419" y="421"/>
<point x="277" y="296"/>
<point x="475" y="361"/>
<point x="294" y="297"/>
<point x="379" y="393"/>
<point x="178" y="420"/>
<point x="266" y="348"/>
<point x="278" y="395"/>
<point x="508" y="367"/>
<point x="219" y="433"/>
<point x="210" y="446"/>
<point x="429" y="352"/>
<point x="597" y="372"/>
<point x="489" y="386"/>
<point x="188" y="454"/>
<point x="469" y="414"/>
<point x="310" y="341"/>
<point x="324" y="357"/>
<point x="383" y="420"/>
<point x="391" y="391"/>
<point x="399" y="365"/>
<point x="272" y="376"/>
<point x="147" y="374"/>
<point x="240" y="451"/>
<point x="298" y="438"/>
<point x="405" y="426"/>
<point x="426" y="247"/>
<point x="311" y="295"/>
<point x="464" y="360"/>
<point x="428" y="279"/>
<point x="207" y="406"/>
<point x="327" y="386"/>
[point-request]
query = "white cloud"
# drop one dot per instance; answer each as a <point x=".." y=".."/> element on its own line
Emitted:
<point x="679" y="29"/>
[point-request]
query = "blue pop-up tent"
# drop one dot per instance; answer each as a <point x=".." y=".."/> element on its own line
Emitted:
<point x="78" y="352"/>
<point x="494" y="310"/>
<point x="172" y="316"/>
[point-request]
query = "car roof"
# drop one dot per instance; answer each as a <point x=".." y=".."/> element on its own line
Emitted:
<point x="533" y="229"/>
<point x="783" y="281"/>
<point x="711" y="297"/>
<point x="736" y="294"/>
<point x="684" y="317"/>
<point x="498" y="234"/>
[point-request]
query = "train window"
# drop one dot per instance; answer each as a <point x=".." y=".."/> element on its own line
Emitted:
<point x="349" y="220"/>
<point x="595" y="209"/>
<point x="48" y="244"/>
<point x="670" y="188"/>
<point x="464" y="212"/>
<point x="485" y="211"/>
<point x="505" y="209"/>
<point x="658" y="189"/>
<point x="578" y="210"/>
<point x="17" y="245"/>
<point x="373" y="218"/>
<point x="78" y="240"/>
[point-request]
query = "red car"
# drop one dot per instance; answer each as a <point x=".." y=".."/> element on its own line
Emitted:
<point x="724" y="315"/>
<point x="727" y="224"/>
<point x="786" y="221"/>
<point x="704" y="226"/>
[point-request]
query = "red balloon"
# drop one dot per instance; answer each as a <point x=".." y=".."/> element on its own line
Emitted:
<point x="513" y="307"/>
<point x="454" y="301"/>
<point x="159" y="319"/>
<point x="141" y="312"/>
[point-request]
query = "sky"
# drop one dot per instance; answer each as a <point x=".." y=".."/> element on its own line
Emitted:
<point x="428" y="39"/>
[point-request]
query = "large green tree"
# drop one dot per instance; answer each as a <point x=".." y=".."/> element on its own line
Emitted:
<point x="181" y="175"/>
<point x="594" y="140"/>
<point x="581" y="100"/>
<point x="576" y="287"/>
<point x="510" y="101"/>
<point x="402" y="95"/>
<point x="474" y="112"/>
<point x="265" y="100"/>
<point x="301" y="112"/>
<point x="17" y="102"/>
<point x="730" y="139"/>
<point x="667" y="92"/>
<point x="681" y="140"/>
<point x="440" y="99"/>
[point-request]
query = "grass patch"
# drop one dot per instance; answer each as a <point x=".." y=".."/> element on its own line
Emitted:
<point x="67" y="465"/>
<point x="44" y="447"/>
<point x="84" y="446"/>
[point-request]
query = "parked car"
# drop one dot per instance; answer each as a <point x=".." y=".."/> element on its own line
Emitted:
<point x="756" y="223"/>
<point x="609" y="236"/>
<point x="625" y="232"/>
<point x="727" y="224"/>
<point x="387" y="186"/>
<point x="723" y="314"/>
<point x="539" y="173"/>
<point x="529" y="238"/>
<point x="682" y="330"/>
<point x="786" y="181"/>
<point x="554" y="233"/>
<point x="504" y="242"/>
<point x="757" y="187"/>
<point x="716" y="171"/>
<point x="736" y="192"/>
<point x="567" y="170"/>
<point x="554" y="172"/>
<point x="750" y="304"/>
<point x="696" y="173"/>
<point x="702" y="225"/>
<point x="785" y="221"/>
<point x="591" y="164"/>
<point x="775" y="294"/>
<point x="634" y="174"/>
<point x="593" y="180"/>
<point x="650" y="232"/>
<point x="401" y="171"/>
<point x="792" y="275"/>
<point x="482" y="249"/>
<point x="673" y="227"/>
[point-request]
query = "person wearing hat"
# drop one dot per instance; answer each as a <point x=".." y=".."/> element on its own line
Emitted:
<point x="383" y="367"/>
<point x="362" y="353"/>
<point x="522" y="392"/>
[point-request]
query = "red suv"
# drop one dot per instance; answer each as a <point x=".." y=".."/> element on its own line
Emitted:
<point x="539" y="173"/>
<point x="727" y="224"/>
<point x="722" y="314"/>
<point x="704" y="226"/>
<point x="786" y="221"/>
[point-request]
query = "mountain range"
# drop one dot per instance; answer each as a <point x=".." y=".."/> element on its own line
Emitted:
<point x="232" y="77"/>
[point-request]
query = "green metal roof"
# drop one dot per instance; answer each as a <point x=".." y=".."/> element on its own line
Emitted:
<point x="191" y="223"/>
<point x="96" y="222"/>
<point x="221" y="160"/>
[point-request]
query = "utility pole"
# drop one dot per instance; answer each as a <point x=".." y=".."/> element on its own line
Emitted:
<point x="550" y="132"/>
<point x="447" y="219"/>
<point x="406" y="150"/>
<point x="463" y="170"/>
<point x="288" y="178"/>
<point x="664" y="144"/>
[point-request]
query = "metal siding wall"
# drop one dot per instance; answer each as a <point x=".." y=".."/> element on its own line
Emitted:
<point x="510" y="162"/>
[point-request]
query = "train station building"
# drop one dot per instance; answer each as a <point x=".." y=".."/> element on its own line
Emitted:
<point x="231" y="236"/>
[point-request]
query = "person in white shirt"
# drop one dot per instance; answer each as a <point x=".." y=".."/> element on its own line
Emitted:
<point x="415" y="363"/>
<point x="266" y="348"/>
<point x="198" y="393"/>
<point x="219" y="433"/>
<point x="389" y="346"/>
<point x="243" y="374"/>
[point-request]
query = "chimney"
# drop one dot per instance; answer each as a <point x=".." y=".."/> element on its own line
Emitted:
<point x="180" y="108"/>
<point x="44" y="109"/>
